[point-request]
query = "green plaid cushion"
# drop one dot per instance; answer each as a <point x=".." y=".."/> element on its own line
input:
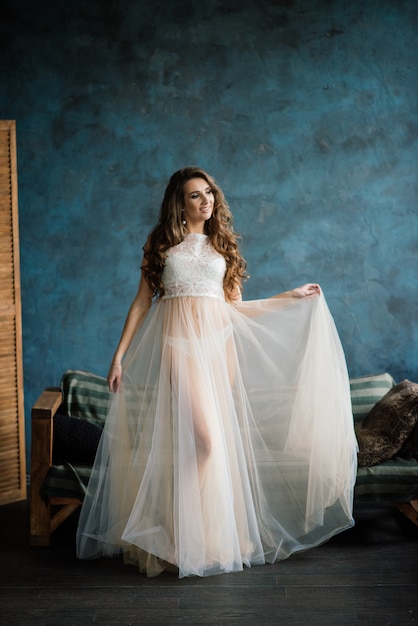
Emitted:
<point x="368" y="390"/>
<point x="395" y="480"/>
<point x="85" y="395"/>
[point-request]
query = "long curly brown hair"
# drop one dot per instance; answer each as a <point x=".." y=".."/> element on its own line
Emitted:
<point x="170" y="231"/>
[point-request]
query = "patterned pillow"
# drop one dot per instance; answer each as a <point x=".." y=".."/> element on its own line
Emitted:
<point x="389" y="424"/>
<point x="367" y="391"/>
<point x="85" y="396"/>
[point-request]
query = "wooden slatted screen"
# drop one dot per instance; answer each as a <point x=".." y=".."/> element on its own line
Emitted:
<point x="12" y="422"/>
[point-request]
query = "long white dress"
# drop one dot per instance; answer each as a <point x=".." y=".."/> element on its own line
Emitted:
<point x="231" y="442"/>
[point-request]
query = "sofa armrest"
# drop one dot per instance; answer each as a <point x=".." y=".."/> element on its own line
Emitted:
<point x="43" y="412"/>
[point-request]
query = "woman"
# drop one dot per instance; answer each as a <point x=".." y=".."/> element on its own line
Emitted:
<point x="229" y="439"/>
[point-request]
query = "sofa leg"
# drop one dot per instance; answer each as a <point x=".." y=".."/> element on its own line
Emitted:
<point x="410" y="509"/>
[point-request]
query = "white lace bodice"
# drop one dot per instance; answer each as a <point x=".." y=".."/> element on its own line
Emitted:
<point x="194" y="268"/>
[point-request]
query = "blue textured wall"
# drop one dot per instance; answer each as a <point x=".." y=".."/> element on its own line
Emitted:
<point x="306" y="113"/>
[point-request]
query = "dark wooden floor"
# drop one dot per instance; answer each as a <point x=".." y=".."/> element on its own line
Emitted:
<point x="367" y="576"/>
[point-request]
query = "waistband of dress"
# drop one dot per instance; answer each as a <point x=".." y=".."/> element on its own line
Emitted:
<point x="192" y="295"/>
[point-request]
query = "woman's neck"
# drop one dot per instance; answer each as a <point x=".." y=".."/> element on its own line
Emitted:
<point x="195" y="230"/>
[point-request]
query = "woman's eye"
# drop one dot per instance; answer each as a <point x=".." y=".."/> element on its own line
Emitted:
<point x="196" y="195"/>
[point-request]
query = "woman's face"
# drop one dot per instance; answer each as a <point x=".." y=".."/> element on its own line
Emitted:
<point x="198" y="204"/>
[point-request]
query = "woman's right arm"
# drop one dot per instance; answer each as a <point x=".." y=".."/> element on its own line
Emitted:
<point x="136" y="315"/>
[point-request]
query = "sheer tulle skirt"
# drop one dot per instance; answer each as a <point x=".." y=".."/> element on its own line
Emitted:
<point x="231" y="442"/>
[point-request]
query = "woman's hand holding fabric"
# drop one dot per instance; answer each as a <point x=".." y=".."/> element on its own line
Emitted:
<point x="310" y="289"/>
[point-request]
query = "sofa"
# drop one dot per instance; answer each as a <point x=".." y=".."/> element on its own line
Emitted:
<point x="67" y="423"/>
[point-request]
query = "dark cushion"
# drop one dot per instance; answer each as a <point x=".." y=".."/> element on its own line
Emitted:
<point x="386" y="429"/>
<point x="75" y="440"/>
